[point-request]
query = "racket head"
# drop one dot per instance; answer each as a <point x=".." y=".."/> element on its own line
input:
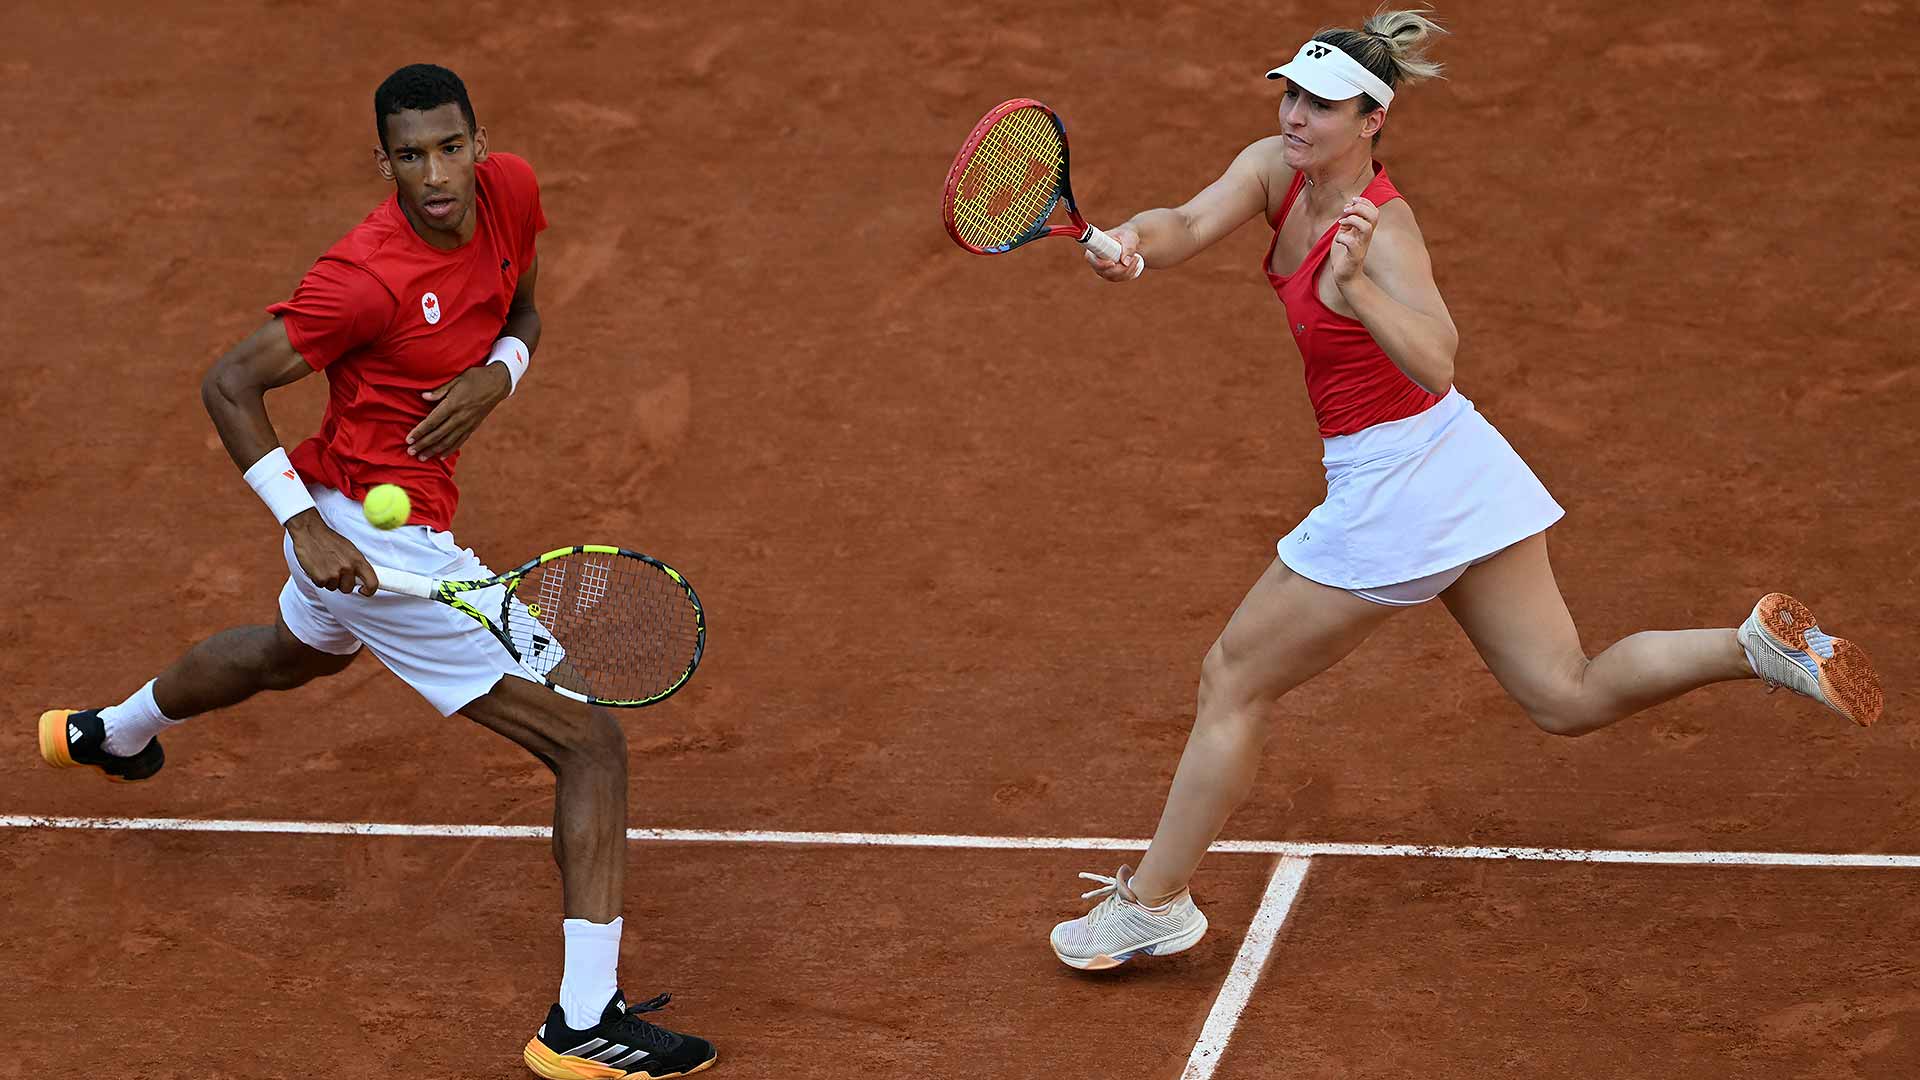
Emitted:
<point x="603" y="624"/>
<point x="1010" y="174"/>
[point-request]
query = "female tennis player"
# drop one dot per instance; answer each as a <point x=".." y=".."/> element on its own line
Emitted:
<point x="1424" y="497"/>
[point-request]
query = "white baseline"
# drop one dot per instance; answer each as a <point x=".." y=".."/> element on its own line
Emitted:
<point x="947" y="840"/>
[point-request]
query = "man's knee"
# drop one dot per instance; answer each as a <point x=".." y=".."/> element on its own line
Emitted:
<point x="569" y="736"/>
<point x="581" y="740"/>
<point x="596" y="738"/>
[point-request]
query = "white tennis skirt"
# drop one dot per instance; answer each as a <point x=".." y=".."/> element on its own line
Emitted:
<point x="1417" y="496"/>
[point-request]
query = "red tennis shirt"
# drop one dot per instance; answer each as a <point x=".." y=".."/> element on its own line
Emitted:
<point x="1351" y="381"/>
<point x="387" y="315"/>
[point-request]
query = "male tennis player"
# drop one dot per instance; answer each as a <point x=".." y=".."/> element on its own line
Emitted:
<point x="423" y="318"/>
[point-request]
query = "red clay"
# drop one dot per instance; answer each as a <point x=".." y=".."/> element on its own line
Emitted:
<point x="965" y="527"/>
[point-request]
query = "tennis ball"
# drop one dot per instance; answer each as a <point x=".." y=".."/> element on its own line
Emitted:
<point x="386" y="506"/>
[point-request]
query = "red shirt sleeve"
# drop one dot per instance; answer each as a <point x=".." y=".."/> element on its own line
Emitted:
<point x="523" y="190"/>
<point x="337" y="308"/>
<point x="537" y="220"/>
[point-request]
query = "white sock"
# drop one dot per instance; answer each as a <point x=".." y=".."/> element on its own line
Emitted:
<point x="133" y="723"/>
<point x="589" y="981"/>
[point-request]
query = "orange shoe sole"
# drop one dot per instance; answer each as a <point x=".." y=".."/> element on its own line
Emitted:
<point x="1847" y="677"/>
<point x="54" y="750"/>
<point x="545" y="1062"/>
<point x="53" y="738"/>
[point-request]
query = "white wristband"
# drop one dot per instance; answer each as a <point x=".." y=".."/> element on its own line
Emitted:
<point x="514" y="353"/>
<point x="273" y="479"/>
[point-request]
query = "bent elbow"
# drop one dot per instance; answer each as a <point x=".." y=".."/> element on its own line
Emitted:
<point x="1434" y="374"/>
<point x="213" y="391"/>
<point x="226" y="385"/>
<point x="1441" y="369"/>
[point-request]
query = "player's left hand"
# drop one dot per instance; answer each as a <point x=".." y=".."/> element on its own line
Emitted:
<point x="1349" y="254"/>
<point x="463" y="403"/>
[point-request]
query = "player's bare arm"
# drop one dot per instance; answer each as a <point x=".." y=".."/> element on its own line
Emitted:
<point x="1170" y="236"/>
<point x="465" y="400"/>
<point x="234" y="392"/>
<point x="1380" y="264"/>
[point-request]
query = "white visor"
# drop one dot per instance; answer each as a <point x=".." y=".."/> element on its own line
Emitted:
<point x="1326" y="72"/>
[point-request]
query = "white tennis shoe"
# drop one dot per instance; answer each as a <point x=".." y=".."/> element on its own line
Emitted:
<point x="1787" y="648"/>
<point x="1120" y="927"/>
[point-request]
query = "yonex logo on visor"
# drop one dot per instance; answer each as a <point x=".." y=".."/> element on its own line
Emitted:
<point x="1324" y="71"/>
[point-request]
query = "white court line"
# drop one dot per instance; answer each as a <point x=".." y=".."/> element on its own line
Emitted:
<point x="947" y="840"/>
<point x="1282" y="890"/>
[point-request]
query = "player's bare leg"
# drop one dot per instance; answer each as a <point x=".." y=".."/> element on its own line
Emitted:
<point x="1287" y="630"/>
<point x="587" y="751"/>
<point x="1511" y="608"/>
<point x="225" y="669"/>
<point x="236" y="664"/>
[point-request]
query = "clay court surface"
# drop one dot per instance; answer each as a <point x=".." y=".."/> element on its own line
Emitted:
<point x="964" y="528"/>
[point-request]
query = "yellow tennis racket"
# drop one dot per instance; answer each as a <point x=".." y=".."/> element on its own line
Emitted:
<point x="595" y="623"/>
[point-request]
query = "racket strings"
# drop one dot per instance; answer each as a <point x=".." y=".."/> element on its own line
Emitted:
<point x="1012" y="181"/>
<point x="608" y="626"/>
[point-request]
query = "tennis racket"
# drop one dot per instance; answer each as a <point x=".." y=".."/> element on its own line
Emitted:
<point x="598" y="624"/>
<point x="1008" y="178"/>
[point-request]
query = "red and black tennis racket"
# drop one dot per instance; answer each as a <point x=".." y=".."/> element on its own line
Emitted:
<point x="1008" y="178"/>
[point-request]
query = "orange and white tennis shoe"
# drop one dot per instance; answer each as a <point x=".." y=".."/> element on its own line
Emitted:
<point x="1120" y="927"/>
<point x="1787" y="648"/>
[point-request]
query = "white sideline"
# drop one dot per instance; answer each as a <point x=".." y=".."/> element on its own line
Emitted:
<point x="1282" y="890"/>
<point x="947" y="840"/>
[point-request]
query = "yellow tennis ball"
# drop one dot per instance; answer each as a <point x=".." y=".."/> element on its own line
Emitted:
<point x="386" y="506"/>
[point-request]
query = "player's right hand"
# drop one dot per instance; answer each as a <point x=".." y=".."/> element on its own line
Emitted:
<point x="329" y="559"/>
<point x="1124" y="268"/>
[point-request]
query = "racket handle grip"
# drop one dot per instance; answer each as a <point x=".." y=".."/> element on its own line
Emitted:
<point x="1109" y="249"/>
<point x="399" y="581"/>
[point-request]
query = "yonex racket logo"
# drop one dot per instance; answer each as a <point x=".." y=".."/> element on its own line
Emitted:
<point x="1318" y="51"/>
<point x="430" y="307"/>
<point x="997" y="148"/>
<point x="1037" y="171"/>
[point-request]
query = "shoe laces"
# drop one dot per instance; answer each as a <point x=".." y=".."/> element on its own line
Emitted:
<point x="1109" y="886"/>
<point x="648" y="1036"/>
<point x="1108" y="892"/>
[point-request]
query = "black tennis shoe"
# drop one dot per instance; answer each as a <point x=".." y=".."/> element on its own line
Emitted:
<point x="620" y="1045"/>
<point x="70" y="739"/>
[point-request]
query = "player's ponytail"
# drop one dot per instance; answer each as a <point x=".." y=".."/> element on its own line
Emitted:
<point x="1392" y="45"/>
<point x="1401" y="37"/>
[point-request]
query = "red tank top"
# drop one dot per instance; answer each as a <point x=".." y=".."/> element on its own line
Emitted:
<point x="1351" y="381"/>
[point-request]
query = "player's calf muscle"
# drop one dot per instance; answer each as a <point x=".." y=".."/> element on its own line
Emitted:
<point x="235" y="664"/>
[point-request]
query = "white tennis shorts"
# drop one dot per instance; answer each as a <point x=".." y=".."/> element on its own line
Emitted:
<point x="444" y="655"/>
